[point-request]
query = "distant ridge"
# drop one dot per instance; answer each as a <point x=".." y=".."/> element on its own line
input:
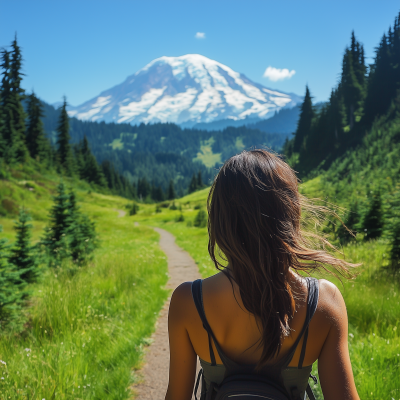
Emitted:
<point x="188" y="89"/>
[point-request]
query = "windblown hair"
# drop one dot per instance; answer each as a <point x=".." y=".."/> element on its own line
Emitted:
<point x="255" y="220"/>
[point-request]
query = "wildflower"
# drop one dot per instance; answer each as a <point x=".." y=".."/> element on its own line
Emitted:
<point x="351" y="335"/>
<point x="27" y="349"/>
<point x="372" y="358"/>
<point x="3" y="362"/>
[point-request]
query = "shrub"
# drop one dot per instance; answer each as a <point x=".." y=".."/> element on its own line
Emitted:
<point x="134" y="209"/>
<point x="201" y="219"/>
<point x="9" y="206"/>
<point x="180" y="218"/>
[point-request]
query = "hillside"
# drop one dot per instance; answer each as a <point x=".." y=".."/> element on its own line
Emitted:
<point x="161" y="152"/>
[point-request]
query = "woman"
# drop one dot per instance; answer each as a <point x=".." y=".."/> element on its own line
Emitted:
<point x="255" y="308"/>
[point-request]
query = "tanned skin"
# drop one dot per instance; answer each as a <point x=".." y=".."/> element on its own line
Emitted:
<point x="236" y="331"/>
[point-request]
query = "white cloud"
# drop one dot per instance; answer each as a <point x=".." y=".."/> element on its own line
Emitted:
<point x="200" y="35"/>
<point x="276" y="74"/>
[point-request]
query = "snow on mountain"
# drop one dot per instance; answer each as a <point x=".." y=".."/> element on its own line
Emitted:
<point x="190" y="88"/>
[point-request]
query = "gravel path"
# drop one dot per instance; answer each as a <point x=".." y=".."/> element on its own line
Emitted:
<point x="182" y="268"/>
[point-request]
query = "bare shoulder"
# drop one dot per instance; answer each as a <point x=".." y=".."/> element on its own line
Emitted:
<point x="182" y="305"/>
<point x="330" y="303"/>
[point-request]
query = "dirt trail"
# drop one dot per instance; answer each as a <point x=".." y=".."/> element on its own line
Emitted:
<point x="121" y="213"/>
<point x="182" y="268"/>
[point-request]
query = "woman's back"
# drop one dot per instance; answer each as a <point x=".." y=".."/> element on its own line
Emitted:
<point x="236" y="329"/>
<point x="256" y="307"/>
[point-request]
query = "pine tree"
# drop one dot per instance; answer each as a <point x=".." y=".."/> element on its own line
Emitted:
<point x="38" y="145"/>
<point x="89" y="169"/>
<point x="10" y="293"/>
<point x="394" y="236"/>
<point x="171" y="190"/>
<point x="83" y="240"/>
<point x="353" y="79"/>
<point x="372" y="221"/>
<point x="143" y="188"/>
<point x="72" y="210"/>
<point x="379" y="85"/>
<point x="393" y="230"/>
<point x="9" y="132"/>
<point x="305" y="121"/>
<point x="193" y="184"/>
<point x="16" y="95"/>
<point x="23" y="255"/>
<point x="199" y="180"/>
<point x="351" y="222"/>
<point x="55" y="240"/>
<point x="2" y="139"/>
<point x="157" y="193"/>
<point x="64" y="150"/>
<point x="336" y="116"/>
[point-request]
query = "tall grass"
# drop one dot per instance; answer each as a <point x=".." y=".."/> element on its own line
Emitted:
<point x="86" y="332"/>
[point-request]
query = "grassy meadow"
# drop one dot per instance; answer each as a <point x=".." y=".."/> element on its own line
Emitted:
<point x="372" y="298"/>
<point x="85" y="333"/>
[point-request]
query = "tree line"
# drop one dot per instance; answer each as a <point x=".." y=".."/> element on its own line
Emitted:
<point x="363" y="94"/>
<point x="355" y="138"/>
<point x="23" y="138"/>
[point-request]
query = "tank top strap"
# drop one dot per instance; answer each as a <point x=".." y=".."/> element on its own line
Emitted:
<point x="312" y="303"/>
<point x="197" y="294"/>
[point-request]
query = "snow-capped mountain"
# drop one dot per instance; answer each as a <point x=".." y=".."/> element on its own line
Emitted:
<point x="190" y="88"/>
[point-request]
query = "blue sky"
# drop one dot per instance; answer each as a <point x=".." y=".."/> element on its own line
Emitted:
<point x="80" y="48"/>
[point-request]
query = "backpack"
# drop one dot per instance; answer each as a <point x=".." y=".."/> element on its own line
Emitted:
<point x="241" y="382"/>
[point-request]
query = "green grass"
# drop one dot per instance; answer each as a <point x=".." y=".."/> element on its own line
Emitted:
<point x="85" y="333"/>
<point x="372" y="298"/>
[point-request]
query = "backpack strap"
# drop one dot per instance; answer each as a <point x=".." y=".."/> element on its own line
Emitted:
<point x="197" y="295"/>
<point x="312" y="303"/>
<point x="310" y="393"/>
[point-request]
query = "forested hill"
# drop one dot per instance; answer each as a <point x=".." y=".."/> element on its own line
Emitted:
<point x="352" y="146"/>
<point x="161" y="152"/>
<point x="362" y="95"/>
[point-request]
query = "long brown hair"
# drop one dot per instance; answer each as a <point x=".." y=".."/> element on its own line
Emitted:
<point x="255" y="214"/>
